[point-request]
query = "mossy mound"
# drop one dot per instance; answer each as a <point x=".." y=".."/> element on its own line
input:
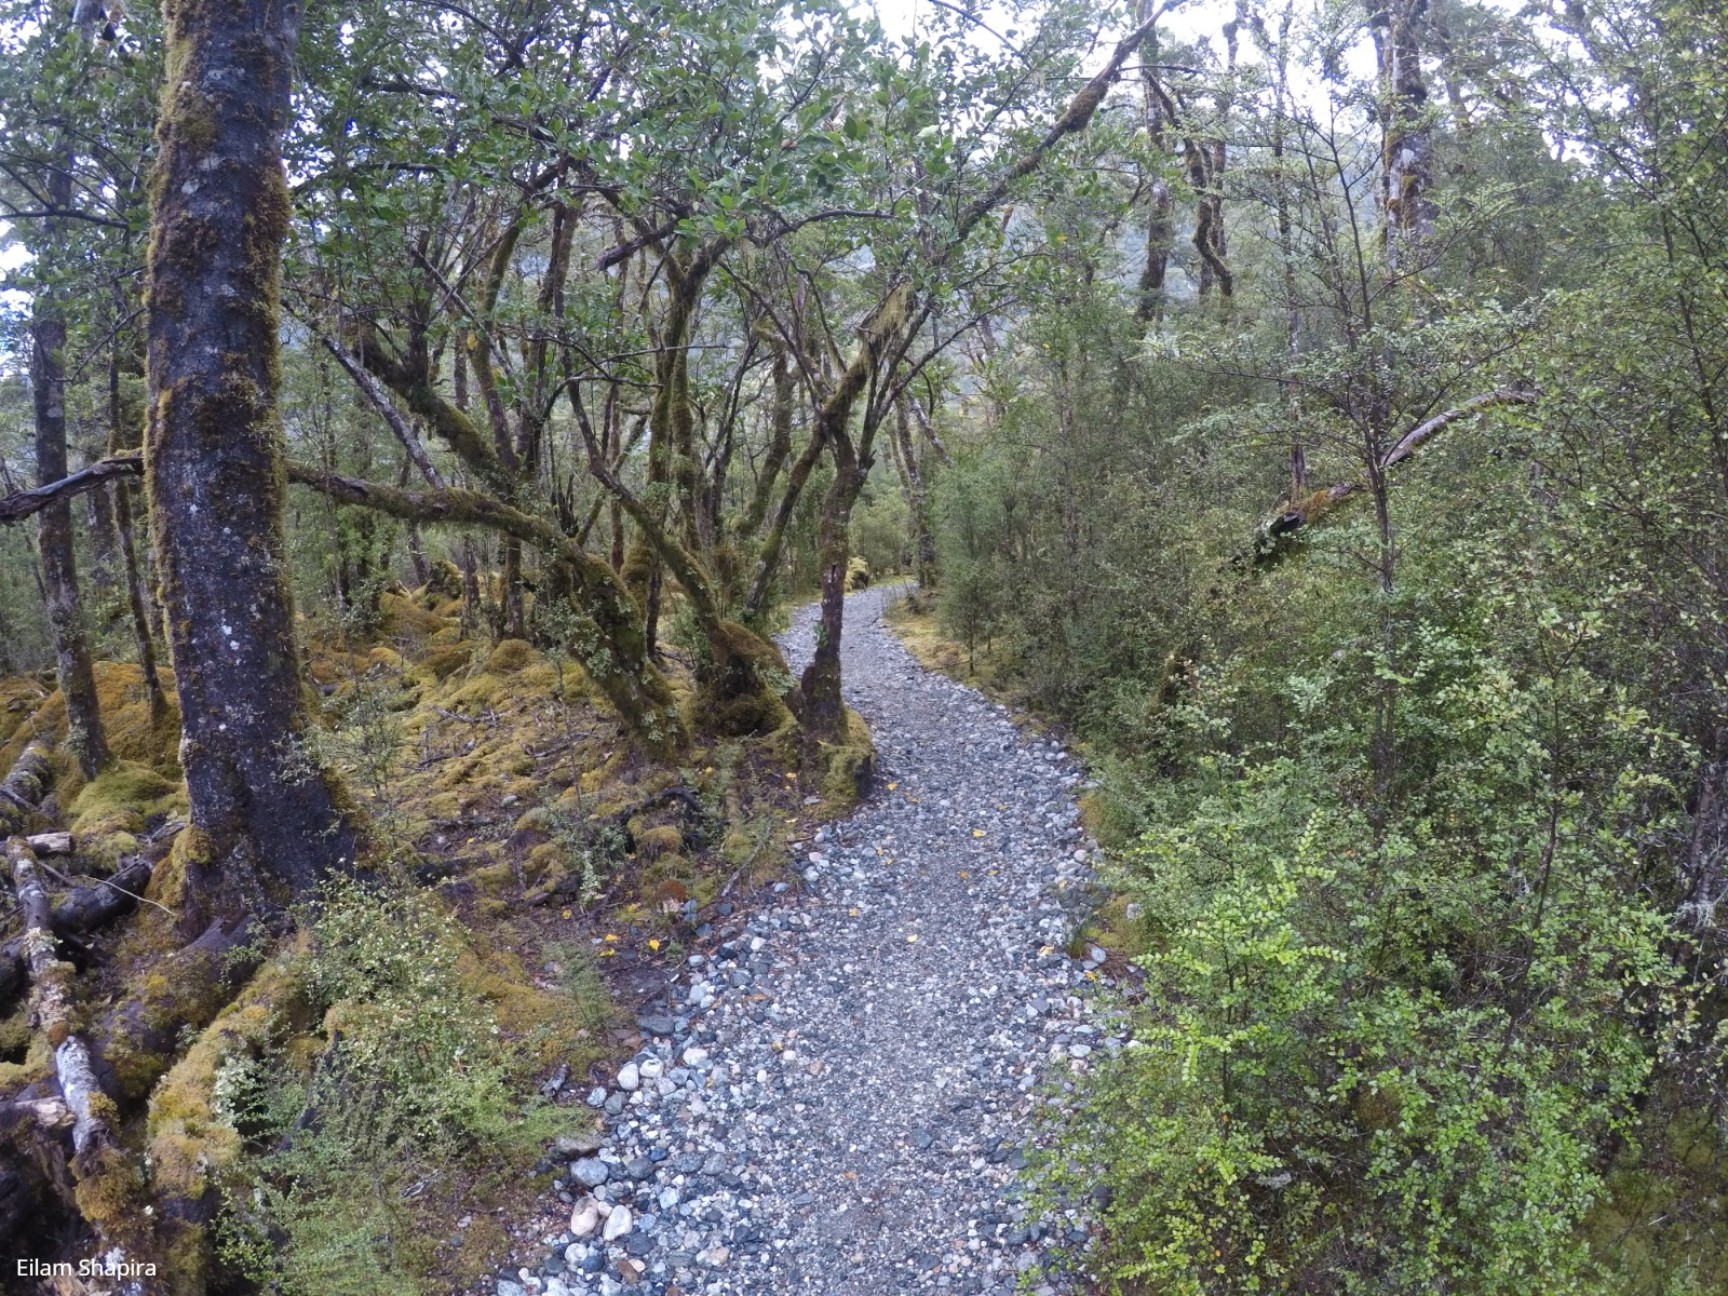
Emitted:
<point x="20" y="697"/>
<point x="112" y="811"/>
<point x="443" y="583"/>
<point x="857" y="575"/>
<point x="745" y="694"/>
<point x="510" y="656"/>
<point x="134" y="735"/>
<point x="846" y="767"/>
<point x="401" y="617"/>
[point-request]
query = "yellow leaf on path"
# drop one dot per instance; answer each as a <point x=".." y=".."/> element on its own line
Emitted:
<point x="977" y="832"/>
<point x="892" y="786"/>
<point x="611" y="939"/>
<point x="654" y="945"/>
<point x="965" y="876"/>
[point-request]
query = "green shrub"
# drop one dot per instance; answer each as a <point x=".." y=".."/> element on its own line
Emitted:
<point x="1389" y="1059"/>
<point x="415" y="1093"/>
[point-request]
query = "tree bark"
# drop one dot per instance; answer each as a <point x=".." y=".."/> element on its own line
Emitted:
<point x="923" y="538"/>
<point x="214" y="472"/>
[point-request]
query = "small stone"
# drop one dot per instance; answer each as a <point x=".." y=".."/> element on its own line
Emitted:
<point x="651" y="1068"/>
<point x="590" y="1172"/>
<point x="657" y="1024"/>
<point x="596" y="1097"/>
<point x="585" y="1218"/>
<point x="630" y="1078"/>
<point x="639" y="1168"/>
<point x="922" y="1140"/>
<point x="617" y="1224"/>
<point x="573" y="1145"/>
<point x="715" y="1256"/>
<point x="695" y="1056"/>
<point x="508" y="1288"/>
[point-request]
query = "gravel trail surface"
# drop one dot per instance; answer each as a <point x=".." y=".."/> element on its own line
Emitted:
<point x="836" y="1101"/>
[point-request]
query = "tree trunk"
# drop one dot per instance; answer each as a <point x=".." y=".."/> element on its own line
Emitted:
<point x="59" y="566"/>
<point x="923" y="538"/>
<point x="1407" y="171"/>
<point x="214" y="469"/>
<point x="824" y="713"/>
<point x="123" y="435"/>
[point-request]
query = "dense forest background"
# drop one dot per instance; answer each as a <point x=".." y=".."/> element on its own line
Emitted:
<point x="1319" y="408"/>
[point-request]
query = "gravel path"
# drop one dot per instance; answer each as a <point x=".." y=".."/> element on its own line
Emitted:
<point x="838" y="1102"/>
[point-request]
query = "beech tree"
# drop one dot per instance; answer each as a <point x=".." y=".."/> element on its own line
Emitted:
<point x="264" y="827"/>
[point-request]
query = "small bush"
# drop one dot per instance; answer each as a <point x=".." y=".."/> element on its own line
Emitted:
<point x="414" y="1093"/>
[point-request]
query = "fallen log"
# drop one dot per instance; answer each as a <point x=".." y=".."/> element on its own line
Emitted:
<point x="24" y="787"/>
<point x="84" y="910"/>
<point x="50" y="843"/>
<point x="52" y="1004"/>
<point x="106" y="1180"/>
<point x="91" y="907"/>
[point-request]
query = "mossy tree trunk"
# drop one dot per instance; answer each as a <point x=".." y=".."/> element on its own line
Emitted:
<point x="59" y="565"/>
<point x="918" y="496"/>
<point x="124" y="430"/>
<point x="824" y="714"/>
<point x="213" y="458"/>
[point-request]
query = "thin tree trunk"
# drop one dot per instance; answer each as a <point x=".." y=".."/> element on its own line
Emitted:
<point x="923" y="539"/>
<point x="214" y="465"/>
<point x="824" y="712"/>
<point x="123" y="436"/>
<point x="84" y="732"/>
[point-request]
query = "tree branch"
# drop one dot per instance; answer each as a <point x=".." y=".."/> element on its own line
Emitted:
<point x="22" y="504"/>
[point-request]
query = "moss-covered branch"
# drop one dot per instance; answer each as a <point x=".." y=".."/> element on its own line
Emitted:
<point x="617" y="659"/>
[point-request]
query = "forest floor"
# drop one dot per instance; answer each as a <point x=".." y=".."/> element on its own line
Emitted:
<point x="838" y="1094"/>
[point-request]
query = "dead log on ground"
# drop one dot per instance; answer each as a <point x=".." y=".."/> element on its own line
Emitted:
<point x="24" y="787"/>
<point x="83" y="911"/>
<point x="106" y="1182"/>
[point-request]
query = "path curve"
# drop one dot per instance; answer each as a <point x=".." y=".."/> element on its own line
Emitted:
<point x="836" y="1101"/>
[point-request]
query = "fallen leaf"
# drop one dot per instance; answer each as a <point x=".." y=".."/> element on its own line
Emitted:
<point x="977" y="832"/>
<point x="912" y="939"/>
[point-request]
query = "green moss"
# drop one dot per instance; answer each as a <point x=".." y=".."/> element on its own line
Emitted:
<point x="652" y="843"/>
<point x="846" y="767"/>
<point x="510" y="656"/>
<point x="109" y="812"/>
